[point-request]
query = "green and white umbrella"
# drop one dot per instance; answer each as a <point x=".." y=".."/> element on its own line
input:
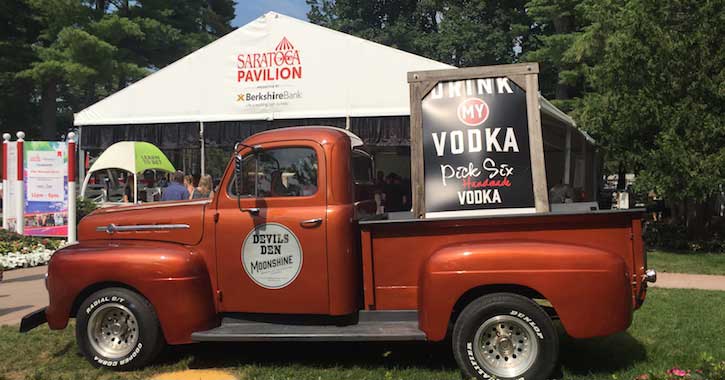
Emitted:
<point x="131" y="156"/>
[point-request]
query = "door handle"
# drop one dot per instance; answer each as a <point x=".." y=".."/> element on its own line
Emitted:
<point x="252" y="210"/>
<point x="309" y="223"/>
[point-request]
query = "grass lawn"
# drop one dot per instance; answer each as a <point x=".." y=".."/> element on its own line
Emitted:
<point x="673" y="328"/>
<point x="687" y="262"/>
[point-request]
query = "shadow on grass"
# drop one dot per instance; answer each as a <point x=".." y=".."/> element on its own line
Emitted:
<point x="601" y="355"/>
<point x="577" y="356"/>
<point x="435" y="356"/>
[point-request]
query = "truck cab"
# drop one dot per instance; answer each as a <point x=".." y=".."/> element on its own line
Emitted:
<point x="284" y="252"/>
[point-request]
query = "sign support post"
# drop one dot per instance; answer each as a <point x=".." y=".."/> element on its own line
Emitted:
<point x="20" y="198"/>
<point x="72" y="167"/>
<point x="6" y="189"/>
<point x="445" y="137"/>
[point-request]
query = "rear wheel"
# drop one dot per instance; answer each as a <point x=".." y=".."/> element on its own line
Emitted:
<point x="117" y="328"/>
<point x="505" y="336"/>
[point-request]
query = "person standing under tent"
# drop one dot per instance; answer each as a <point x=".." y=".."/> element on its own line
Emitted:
<point x="176" y="190"/>
<point x="204" y="189"/>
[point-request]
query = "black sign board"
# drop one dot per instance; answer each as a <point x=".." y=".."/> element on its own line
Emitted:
<point x="476" y="149"/>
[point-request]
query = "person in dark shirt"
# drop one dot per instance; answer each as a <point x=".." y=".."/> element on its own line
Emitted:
<point x="176" y="190"/>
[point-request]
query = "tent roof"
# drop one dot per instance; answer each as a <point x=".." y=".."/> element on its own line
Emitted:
<point x="341" y="75"/>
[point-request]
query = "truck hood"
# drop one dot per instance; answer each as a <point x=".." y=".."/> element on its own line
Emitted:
<point x="179" y="222"/>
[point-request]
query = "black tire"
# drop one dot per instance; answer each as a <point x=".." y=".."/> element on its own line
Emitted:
<point x="125" y="315"/>
<point x="520" y="317"/>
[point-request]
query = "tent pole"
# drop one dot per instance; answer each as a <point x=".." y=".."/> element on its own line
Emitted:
<point x="81" y="157"/>
<point x="567" y="157"/>
<point x="347" y="122"/>
<point x="201" y="138"/>
<point x="135" y="187"/>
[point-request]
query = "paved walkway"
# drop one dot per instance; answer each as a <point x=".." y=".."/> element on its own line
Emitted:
<point x="23" y="290"/>
<point x="689" y="281"/>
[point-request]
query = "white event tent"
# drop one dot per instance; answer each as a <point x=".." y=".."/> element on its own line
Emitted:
<point x="278" y="71"/>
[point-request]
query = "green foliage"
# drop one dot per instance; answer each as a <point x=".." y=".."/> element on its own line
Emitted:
<point x="13" y="242"/>
<point x="557" y="26"/>
<point x="60" y="56"/>
<point x="84" y="207"/>
<point x="461" y="33"/>
<point x="657" y="100"/>
<point x="674" y="236"/>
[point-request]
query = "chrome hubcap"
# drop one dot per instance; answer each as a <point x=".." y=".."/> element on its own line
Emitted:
<point x="505" y="346"/>
<point x="113" y="331"/>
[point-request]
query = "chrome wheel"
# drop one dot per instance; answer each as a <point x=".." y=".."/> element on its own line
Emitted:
<point x="505" y="346"/>
<point x="113" y="330"/>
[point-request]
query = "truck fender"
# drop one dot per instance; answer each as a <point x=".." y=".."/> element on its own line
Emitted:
<point x="174" y="279"/>
<point x="588" y="288"/>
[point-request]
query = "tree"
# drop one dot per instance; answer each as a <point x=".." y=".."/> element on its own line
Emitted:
<point x="557" y="24"/>
<point x="458" y="32"/>
<point x="18" y="31"/>
<point x="80" y="52"/>
<point x="657" y="100"/>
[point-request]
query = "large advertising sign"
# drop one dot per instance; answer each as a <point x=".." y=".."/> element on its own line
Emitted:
<point x="476" y="147"/>
<point x="269" y="78"/>
<point x="46" y="188"/>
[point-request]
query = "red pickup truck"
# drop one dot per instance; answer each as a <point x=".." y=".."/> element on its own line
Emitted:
<point x="283" y="252"/>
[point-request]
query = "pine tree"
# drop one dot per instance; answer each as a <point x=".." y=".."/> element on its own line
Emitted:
<point x="84" y="51"/>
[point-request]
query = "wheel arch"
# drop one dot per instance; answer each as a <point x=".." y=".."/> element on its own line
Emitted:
<point x="479" y="291"/>
<point x="90" y="289"/>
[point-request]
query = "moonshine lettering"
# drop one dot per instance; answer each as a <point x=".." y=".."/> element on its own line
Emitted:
<point x="263" y="265"/>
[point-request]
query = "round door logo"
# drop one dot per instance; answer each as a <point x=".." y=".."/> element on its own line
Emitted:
<point x="272" y="256"/>
<point x="472" y="112"/>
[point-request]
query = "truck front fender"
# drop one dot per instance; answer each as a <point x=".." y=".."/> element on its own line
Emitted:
<point x="588" y="288"/>
<point x="172" y="277"/>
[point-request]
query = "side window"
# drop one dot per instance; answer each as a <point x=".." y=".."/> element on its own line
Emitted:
<point x="284" y="172"/>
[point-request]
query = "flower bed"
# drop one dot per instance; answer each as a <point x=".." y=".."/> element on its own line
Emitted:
<point x="17" y="251"/>
<point x="710" y="369"/>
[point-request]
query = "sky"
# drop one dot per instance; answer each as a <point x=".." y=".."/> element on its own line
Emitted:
<point x="248" y="10"/>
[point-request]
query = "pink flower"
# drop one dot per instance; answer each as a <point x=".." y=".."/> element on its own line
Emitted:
<point x="643" y="376"/>
<point x="677" y="372"/>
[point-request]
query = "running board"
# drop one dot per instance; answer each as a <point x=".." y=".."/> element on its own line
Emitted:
<point x="368" y="329"/>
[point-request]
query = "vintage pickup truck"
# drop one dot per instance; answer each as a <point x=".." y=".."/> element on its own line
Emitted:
<point x="282" y="252"/>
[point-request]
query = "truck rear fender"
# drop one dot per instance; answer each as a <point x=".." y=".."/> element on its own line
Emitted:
<point x="172" y="277"/>
<point x="589" y="289"/>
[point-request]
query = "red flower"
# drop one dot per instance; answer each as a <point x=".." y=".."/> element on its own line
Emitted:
<point x="677" y="372"/>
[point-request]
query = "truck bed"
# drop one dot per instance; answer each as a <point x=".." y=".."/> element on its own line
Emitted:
<point x="549" y="253"/>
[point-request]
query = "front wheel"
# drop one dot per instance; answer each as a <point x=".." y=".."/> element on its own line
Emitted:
<point x="507" y="337"/>
<point x="118" y="329"/>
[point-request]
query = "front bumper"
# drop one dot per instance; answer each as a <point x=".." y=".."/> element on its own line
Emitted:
<point x="33" y="320"/>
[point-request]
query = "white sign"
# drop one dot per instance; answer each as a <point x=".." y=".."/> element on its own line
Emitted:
<point x="46" y="171"/>
<point x="11" y="192"/>
<point x="272" y="256"/>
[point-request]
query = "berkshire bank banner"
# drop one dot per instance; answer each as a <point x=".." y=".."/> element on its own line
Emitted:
<point x="46" y="188"/>
<point x="476" y="148"/>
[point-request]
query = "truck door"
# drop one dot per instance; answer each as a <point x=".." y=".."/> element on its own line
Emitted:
<point x="270" y="241"/>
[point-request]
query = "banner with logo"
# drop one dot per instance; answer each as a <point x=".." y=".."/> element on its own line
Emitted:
<point x="476" y="148"/>
<point x="46" y="188"/>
